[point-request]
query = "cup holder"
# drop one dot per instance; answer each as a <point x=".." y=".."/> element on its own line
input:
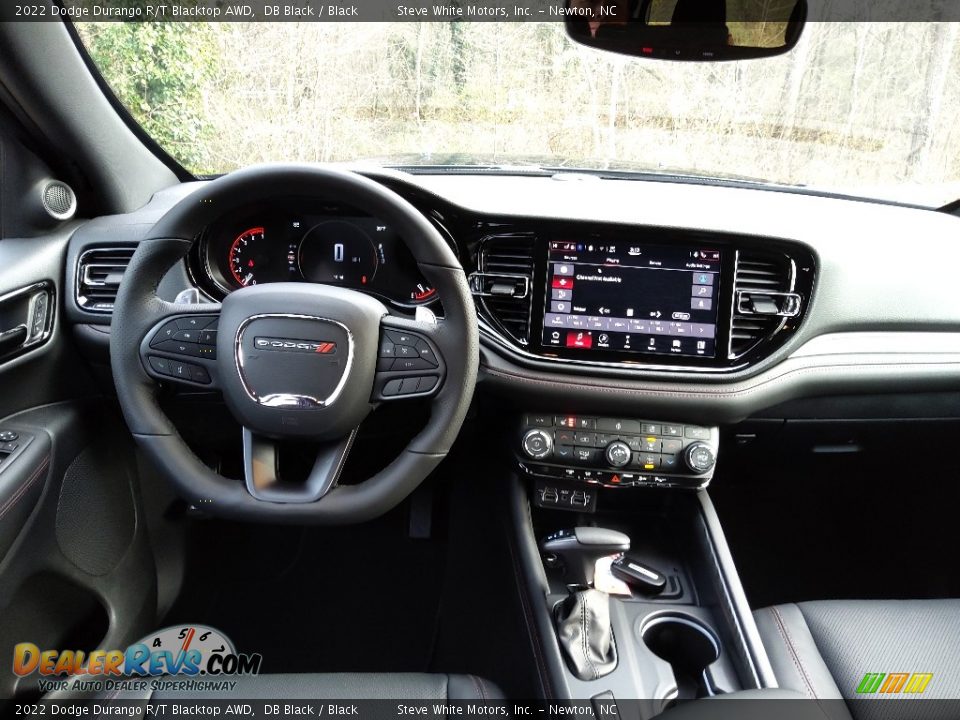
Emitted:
<point x="689" y="646"/>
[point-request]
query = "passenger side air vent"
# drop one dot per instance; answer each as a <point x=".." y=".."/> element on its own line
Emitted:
<point x="763" y="299"/>
<point x="503" y="283"/>
<point x="99" y="273"/>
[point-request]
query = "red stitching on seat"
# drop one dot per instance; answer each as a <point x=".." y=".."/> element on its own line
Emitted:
<point x="22" y="490"/>
<point x="793" y="652"/>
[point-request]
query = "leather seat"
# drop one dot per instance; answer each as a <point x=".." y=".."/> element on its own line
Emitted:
<point x="824" y="649"/>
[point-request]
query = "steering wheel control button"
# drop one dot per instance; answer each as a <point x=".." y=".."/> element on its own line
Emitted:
<point x="406" y="352"/>
<point x="409" y="386"/>
<point x="165" y="333"/>
<point x="411" y="363"/>
<point x="401" y="338"/>
<point x="187" y="336"/>
<point x="392" y="388"/>
<point x="427" y="384"/>
<point x="179" y="370"/>
<point x="618" y="454"/>
<point x="426" y="353"/>
<point x="699" y="457"/>
<point x="160" y="365"/>
<point x="193" y="322"/>
<point x="537" y="443"/>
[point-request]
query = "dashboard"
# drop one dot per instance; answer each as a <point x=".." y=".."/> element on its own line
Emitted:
<point x="306" y="240"/>
<point x="809" y="295"/>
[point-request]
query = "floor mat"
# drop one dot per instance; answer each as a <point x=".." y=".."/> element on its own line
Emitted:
<point x="356" y="598"/>
<point x="369" y="598"/>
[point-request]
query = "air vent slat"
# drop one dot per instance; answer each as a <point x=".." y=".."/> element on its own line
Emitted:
<point x="757" y="272"/>
<point x="99" y="275"/>
<point x="509" y="255"/>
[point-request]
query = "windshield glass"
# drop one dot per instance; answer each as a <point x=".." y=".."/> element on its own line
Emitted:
<point x="865" y="109"/>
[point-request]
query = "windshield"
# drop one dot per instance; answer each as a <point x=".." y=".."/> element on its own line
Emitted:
<point x="864" y="109"/>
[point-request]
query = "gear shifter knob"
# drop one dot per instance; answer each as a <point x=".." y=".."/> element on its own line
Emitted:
<point x="580" y="548"/>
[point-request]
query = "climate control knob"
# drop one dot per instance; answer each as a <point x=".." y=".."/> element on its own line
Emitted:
<point x="699" y="457"/>
<point x="618" y="454"/>
<point x="537" y="444"/>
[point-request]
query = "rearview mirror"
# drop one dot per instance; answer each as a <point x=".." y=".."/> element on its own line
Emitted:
<point x="703" y="30"/>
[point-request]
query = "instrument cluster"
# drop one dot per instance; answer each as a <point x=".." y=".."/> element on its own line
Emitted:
<point x="310" y="241"/>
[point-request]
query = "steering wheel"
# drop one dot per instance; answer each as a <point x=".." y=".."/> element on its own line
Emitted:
<point x="293" y="360"/>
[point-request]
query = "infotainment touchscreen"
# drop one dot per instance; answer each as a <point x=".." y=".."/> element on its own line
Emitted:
<point x="632" y="298"/>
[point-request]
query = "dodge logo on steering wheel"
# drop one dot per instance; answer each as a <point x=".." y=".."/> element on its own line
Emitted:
<point x="285" y="345"/>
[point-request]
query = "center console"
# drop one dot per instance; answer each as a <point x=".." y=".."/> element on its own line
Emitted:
<point x="651" y="569"/>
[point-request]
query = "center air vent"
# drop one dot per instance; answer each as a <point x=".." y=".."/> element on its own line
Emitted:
<point x="504" y="281"/>
<point x="762" y="299"/>
<point x="99" y="273"/>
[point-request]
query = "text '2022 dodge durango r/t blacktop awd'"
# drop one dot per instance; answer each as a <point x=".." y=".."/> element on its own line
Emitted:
<point x="594" y="358"/>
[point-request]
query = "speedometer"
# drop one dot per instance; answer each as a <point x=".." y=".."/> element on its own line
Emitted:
<point x="248" y="256"/>
<point x="340" y="253"/>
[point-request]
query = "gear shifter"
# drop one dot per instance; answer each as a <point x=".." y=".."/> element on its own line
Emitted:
<point x="579" y="549"/>
<point x="584" y="632"/>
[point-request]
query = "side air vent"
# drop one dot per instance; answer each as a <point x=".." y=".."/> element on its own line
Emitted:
<point x="99" y="273"/>
<point x="763" y="299"/>
<point x="504" y="281"/>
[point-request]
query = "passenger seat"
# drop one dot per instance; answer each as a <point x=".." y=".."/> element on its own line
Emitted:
<point x="910" y="648"/>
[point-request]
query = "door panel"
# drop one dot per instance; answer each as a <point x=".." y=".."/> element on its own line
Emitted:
<point x="77" y="569"/>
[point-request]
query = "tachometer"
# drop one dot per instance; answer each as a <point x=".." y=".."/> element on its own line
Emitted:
<point x="248" y="256"/>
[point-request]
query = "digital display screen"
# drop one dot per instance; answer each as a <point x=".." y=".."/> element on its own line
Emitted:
<point x="632" y="298"/>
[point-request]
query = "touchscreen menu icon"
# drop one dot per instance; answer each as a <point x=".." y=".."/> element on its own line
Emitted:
<point x="580" y="339"/>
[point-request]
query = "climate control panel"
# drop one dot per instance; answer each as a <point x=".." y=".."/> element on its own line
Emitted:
<point x="618" y="452"/>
